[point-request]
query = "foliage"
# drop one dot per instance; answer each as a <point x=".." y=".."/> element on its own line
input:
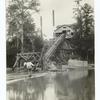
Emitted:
<point x="38" y="44"/>
<point x="21" y="23"/>
<point x="12" y="48"/>
<point x="84" y="29"/>
<point x="18" y="12"/>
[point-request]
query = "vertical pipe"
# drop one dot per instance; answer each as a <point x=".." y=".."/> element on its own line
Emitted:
<point x="22" y="38"/>
<point x="53" y="19"/>
<point x="53" y="16"/>
<point x="41" y="26"/>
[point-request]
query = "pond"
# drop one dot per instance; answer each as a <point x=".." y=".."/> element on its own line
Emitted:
<point x="68" y="85"/>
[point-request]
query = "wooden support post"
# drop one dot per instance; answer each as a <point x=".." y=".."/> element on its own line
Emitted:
<point x="15" y="64"/>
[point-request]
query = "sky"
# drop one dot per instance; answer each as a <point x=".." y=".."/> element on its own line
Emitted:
<point x="63" y="14"/>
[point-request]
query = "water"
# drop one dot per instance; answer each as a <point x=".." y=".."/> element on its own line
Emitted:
<point x="71" y="85"/>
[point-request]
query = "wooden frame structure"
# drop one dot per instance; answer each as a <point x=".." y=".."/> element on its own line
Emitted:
<point x="34" y="57"/>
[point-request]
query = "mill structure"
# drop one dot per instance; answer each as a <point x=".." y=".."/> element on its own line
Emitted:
<point x="60" y="44"/>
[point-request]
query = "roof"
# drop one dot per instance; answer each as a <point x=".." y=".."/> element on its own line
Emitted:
<point x="65" y="29"/>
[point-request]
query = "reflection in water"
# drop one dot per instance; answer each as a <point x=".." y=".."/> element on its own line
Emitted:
<point x="32" y="89"/>
<point x="54" y="86"/>
<point x="78" y="89"/>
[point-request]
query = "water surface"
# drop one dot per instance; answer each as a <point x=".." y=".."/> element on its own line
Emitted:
<point x="72" y="85"/>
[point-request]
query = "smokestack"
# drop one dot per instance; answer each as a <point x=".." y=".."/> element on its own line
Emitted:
<point x="41" y="26"/>
<point x="53" y="16"/>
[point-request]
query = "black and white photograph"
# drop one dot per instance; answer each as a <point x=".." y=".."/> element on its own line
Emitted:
<point x="50" y="50"/>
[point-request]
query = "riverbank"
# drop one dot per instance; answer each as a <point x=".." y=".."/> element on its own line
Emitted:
<point x="14" y="77"/>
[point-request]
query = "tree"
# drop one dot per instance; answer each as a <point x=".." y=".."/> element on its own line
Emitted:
<point x="88" y="21"/>
<point x="20" y="21"/>
<point x="85" y="30"/>
<point x="38" y="44"/>
<point x="13" y="47"/>
<point x="21" y="28"/>
<point x="85" y="19"/>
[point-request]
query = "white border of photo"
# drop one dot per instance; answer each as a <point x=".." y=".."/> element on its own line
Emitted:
<point x="3" y="50"/>
<point x="97" y="49"/>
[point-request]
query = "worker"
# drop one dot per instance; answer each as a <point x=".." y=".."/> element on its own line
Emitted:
<point x="29" y="66"/>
